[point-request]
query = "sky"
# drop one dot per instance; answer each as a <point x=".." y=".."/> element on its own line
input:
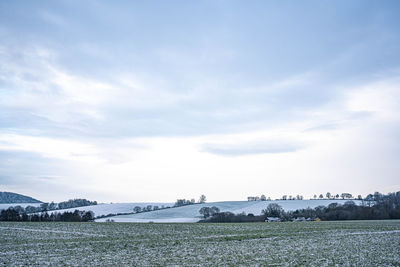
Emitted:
<point x="130" y="101"/>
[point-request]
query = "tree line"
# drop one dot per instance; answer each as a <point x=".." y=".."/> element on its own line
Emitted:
<point x="72" y="203"/>
<point x="69" y="204"/>
<point x="184" y="202"/>
<point x="375" y="206"/>
<point x="328" y="195"/>
<point x="14" y="215"/>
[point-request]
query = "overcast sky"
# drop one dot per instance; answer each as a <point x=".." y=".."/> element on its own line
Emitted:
<point x="158" y="100"/>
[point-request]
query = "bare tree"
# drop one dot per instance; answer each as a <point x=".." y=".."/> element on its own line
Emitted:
<point x="202" y="199"/>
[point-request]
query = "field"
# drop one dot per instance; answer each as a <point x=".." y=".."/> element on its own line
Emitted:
<point x="356" y="243"/>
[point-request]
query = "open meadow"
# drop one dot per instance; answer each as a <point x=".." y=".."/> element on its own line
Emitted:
<point x="358" y="243"/>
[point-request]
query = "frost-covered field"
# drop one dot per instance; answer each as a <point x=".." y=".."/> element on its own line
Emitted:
<point x="351" y="243"/>
<point x="190" y="213"/>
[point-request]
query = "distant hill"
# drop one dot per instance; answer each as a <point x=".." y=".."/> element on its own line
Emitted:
<point x="190" y="213"/>
<point x="8" y="197"/>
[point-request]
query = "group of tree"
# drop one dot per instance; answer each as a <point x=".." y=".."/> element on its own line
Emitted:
<point x="328" y="195"/>
<point x="290" y="197"/>
<point x="138" y="209"/>
<point x="12" y="214"/>
<point x="229" y="217"/>
<point x="284" y="197"/>
<point x="184" y="202"/>
<point x="374" y="197"/>
<point x="207" y="211"/>
<point x="72" y="203"/>
<point x="375" y="206"/>
<point x="259" y="198"/>
<point x="213" y="215"/>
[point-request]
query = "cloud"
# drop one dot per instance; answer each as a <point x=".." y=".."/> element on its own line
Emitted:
<point x="42" y="97"/>
<point x="241" y="149"/>
<point x="25" y="168"/>
<point x="53" y="18"/>
<point x="95" y="150"/>
<point x="205" y="96"/>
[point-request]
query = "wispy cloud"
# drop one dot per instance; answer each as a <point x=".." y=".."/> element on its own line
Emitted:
<point x="263" y="147"/>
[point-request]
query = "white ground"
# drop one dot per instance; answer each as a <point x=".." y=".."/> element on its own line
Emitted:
<point x="24" y="205"/>
<point x="191" y="213"/>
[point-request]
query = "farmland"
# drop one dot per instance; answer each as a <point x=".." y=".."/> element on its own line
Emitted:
<point x="357" y="243"/>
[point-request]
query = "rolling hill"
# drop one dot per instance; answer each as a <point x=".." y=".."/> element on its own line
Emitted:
<point x="114" y="208"/>
<point x="190" y="213"/>
<point x="13" y="198"/>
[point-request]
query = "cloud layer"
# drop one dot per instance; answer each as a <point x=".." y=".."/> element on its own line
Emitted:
<point x="128" y="101"/>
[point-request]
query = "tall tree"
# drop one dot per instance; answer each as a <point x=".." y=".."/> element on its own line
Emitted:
<point x="202" y="199"/>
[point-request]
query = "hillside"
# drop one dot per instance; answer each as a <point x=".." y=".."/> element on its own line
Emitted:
<point x="8" y="197"/>
<point x="190" y="213"/>
<point x="114" y="208"/>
